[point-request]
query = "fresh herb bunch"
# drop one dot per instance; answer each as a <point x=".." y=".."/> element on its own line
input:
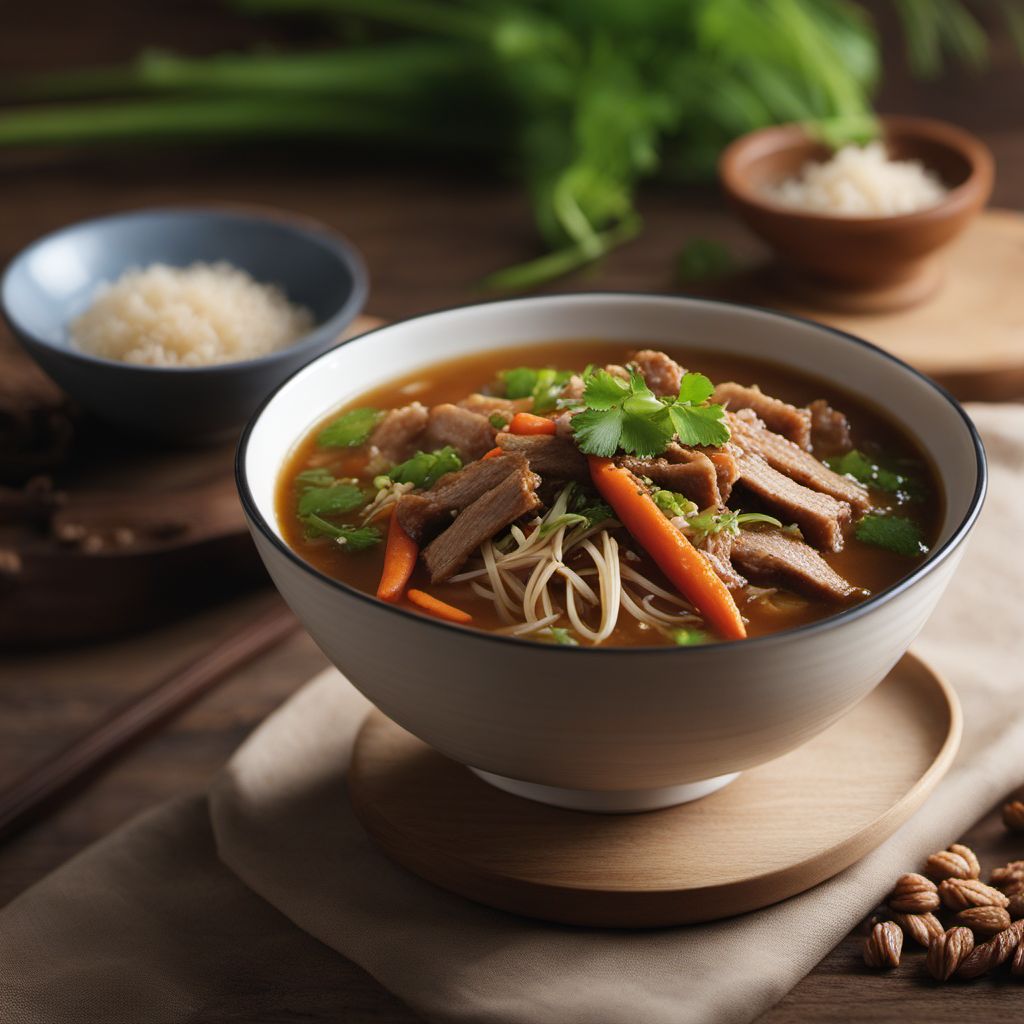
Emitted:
<point x="582" y="98"/>
<point x="628" y="416"/>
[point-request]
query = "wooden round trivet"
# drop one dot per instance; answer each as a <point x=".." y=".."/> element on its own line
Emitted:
<point x="778" y="830"/>
<point x="967" y="333"/>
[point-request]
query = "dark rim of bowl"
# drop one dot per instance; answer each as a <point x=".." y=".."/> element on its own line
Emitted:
<point x="932" y="561"/>
<point x="336" y="244"/>
<point x="970" y="147"/>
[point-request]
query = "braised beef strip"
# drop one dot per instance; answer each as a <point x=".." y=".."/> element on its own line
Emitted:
<point x="749" y="433"/>
<point x="783" y="418"/>
<point x="422" y="515"/>
<point x="773" y="557"/>
<point x="820" y="517"/>
<point x="486" y="517"/>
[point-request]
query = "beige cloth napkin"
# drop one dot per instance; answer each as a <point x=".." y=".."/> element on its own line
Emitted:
<point x="142" y="921"/>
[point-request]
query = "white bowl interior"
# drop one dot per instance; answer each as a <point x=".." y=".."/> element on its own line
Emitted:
<point x="344" y="373"/>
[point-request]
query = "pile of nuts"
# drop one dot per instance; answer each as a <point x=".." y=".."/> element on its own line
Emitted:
<point x="984" y="924"/>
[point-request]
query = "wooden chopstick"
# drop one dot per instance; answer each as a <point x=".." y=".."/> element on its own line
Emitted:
<point x="41" y="786"/>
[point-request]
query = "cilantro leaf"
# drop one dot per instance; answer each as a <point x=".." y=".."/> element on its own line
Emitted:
<point x="352" y="538"/>
<point x="871" y="473"/>
<point x="598" y="431"/>
<point x="350" y="429"/>
<point x="695" y="388"/>
<point x="631" y="417"/>
<point x="894" y="533"/>
<point x="646" y="436"/>
<point x="603" y="391"/>
<point x="331" y="501"/>
<point x="699" y="424"/>
<point x="424" y="469"/>
<point x="690" y="637"/>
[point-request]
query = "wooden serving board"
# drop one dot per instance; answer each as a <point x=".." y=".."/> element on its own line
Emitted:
<point x="111" y="533"/>
<point x="777" y="830"/>
<point x="968" y="333"/>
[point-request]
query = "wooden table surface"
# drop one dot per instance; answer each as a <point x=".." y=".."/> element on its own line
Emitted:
<point x="428" y="234"/>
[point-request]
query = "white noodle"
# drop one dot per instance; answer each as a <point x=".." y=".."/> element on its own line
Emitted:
<point x="516" y="575"/>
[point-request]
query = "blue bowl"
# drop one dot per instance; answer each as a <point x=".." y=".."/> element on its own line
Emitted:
<point x="55" y="278"/>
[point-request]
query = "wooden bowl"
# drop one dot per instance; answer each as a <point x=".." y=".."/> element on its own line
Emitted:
<point x="859" y="263"/>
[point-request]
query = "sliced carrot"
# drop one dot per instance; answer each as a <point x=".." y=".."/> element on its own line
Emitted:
<point x="688" y="570"/>
<point x="493" y="454"/>
<point x="438" y="608"/>
<point x="527" y="423"/>
<point x="399" y="561"/>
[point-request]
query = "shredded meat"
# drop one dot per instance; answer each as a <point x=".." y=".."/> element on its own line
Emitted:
<point x="820" y="516"/>
<point x="749" y="433"/>
<point x="690" y="473"/>
<point x="396" y="434"/>
<point x="469" y="433"/>
<point x="661" y="372"/>
<point x="717" y="549"/>
<point x="422" y="515"/>
<point x="772" y="557"/>
<point x="783" y="418"/>
<point x="551" y="456"/>
<point x="488" y="405"/>
<point x="573" y="390"/>
<point x="830" y="429"/>
<point x="484" y="518"/>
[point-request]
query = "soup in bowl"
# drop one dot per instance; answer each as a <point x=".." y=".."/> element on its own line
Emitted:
<point x="610" y="550"/>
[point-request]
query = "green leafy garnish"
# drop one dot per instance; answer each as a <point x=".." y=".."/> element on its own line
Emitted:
<point x="690" y="637"/>
<point x="710" y="522"/>
<point x="629" y="416"/>
<point x="674" y="504"/>
<point x="319" y="477"/>
<point x="702" y="258"/>
<point x="331" y="501"/>
<point x="424" y="469"/>
<point x="353" y="538"/>
<point x="560" y="635"/>
<point x="322" y="494"/>
<point x="873" y="474"/>
<point x="497" y="421"/>
<point x="894" y="533"/>
<point x="350" y="429"/>
<point x="541" y="384"/>
<point x="696" y="422"/>
<point x="588" y="505"/>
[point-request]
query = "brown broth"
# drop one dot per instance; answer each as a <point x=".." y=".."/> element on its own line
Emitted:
<point x="864" y="565"/>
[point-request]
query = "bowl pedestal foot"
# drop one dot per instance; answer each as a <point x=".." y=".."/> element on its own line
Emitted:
<point x="626" y="801"/>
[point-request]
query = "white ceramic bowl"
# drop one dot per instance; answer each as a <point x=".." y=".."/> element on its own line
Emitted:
<point x="610" y="729"/>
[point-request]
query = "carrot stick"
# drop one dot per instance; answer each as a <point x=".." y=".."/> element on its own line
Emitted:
<point x="438" y="608"/>
<point x="493" y="453"/>
<point x="527" y="423"/>
<point x="671" y="550"/>
<point x="399" y="561"/>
